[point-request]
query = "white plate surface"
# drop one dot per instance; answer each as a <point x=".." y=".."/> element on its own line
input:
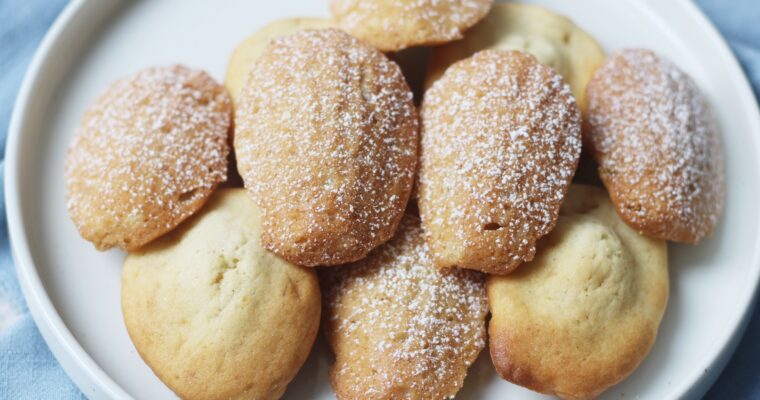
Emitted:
<point x="73" y="290"/>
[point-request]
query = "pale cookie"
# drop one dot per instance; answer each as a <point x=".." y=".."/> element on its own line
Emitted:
<point x="401" y="328"/>
<point x="253" y="46"/>
<point x="657" y="145"/>
<point x="552" y="38"/>
<point x="214" y="314"/>
<point x="585" y="312"/>
<point x="326" y="142"/>
<point x="500" y="143"/>
<point x="147" y="155"/>
<point x="392" y="25"/>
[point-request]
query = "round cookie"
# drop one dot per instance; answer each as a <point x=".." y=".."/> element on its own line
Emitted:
<point x="326" y="141"/>
<point x="215" y="315"/>
<point x="657" y="145"/>
<point x="148" y="154"/>
<point x="401" y="328"/>
<point x="251" y="48"/>
<point x="500" y="144"/>
<point x="585" y="312"/>
<point x="392" y="25"/>
<point x="552" y="38"/>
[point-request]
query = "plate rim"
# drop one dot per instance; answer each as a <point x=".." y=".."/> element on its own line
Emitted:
<point x="76" y="362"/>
<point x="94" y="382"/>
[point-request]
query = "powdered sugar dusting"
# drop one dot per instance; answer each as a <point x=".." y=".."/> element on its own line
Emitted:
<point x="400" y="327"/>
<point x="657" y="145"/>
<point x="326" y="141"/>
<point x="147" y="154"/>
<point x="396" y="24"/>
<point x="500" y="144"/>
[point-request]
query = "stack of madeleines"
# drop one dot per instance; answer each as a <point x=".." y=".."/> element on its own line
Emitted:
<point x="398" y="229"/>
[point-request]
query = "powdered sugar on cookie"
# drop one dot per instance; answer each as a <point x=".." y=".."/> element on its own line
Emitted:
<point x="657" y="145"/>
<point x="500" y="144"/>
<point x="399" y="326"/>
<point x="326" y="141"/>
<point x="147" y="155"/>
<point x="397" y="24"/>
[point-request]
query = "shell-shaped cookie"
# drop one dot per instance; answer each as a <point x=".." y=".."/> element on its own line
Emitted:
<point x="401" y="328"/>
<point x="147" y="155"/>
<point x="215" y="315"/>
<point x="392" y="25"/>
<point x="500" y="144"/>
<point x="657" y="146"/>
<point x="326" y="141"/>
<point x="585" y="312"/>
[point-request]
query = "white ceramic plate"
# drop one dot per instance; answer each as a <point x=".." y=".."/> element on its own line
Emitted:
<point x="73" y="290"/>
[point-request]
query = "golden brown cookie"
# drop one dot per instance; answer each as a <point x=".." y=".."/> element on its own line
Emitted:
<point x="657" y="145"/>
<point x="326" y="141"/>
<point x="585" y="312"/>
<point x="392" y="25"/>
<point x="552" y="38"/>
<point x="401" y="328"/>
<point x="147" y="155"/>
<point x="214" y="314"/>
<point x="251" y="48"/>
<point x="500" y="144"/>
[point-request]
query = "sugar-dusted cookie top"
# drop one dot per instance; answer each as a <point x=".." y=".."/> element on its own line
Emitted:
<point x="392" y="25"/>
<point x="657" y="145"/>
<point x="401" y="328"/>
<point x="326" y="142"/>
<point x="500" y="143"/>
<point x="148" y="153"/>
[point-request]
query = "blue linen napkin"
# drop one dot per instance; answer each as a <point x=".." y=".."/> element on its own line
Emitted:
<point x="28" y="369"/>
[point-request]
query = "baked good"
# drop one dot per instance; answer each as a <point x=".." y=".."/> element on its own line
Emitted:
<point x="657" y="145"/>
<point x="214" y="314"/>
<point x="584" y="313"/>
<point x="326" y="141"/>
<point x="148" y="154"/>
<point x="552" y="38"/>
<point x="392" y="25"/>
<point x="400" y="328"/>
<point x="251" y="48"/>
<point x="500" y="143"/>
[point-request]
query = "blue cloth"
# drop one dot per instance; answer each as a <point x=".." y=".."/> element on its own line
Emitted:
<point x="28" y="369"/>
